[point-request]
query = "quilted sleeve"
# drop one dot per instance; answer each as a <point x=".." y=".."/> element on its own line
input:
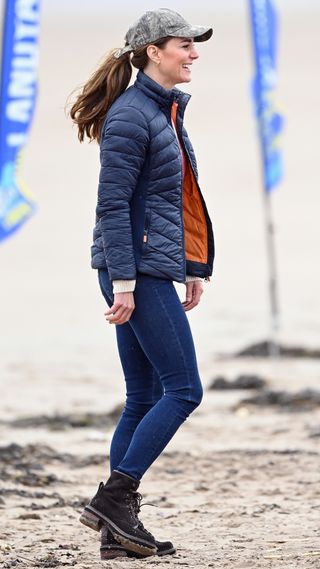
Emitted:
<point x="123" y="148"/>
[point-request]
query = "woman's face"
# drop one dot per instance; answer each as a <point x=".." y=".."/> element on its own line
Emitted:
<point x="175" y="61"/>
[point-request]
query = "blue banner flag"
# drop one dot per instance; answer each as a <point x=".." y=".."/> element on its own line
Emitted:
<point x="265" y="33"/>
<point x="18" y="86"/>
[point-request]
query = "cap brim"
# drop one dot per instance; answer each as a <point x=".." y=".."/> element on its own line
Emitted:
<point x="198" y="33"/>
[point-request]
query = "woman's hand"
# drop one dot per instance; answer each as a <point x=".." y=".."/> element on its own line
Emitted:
<point x="194" y="290"/>
<point x="122" y="308"/>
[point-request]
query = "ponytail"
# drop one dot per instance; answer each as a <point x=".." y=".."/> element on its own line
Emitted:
<point x="104" y="87"/>
<point x="97" y="95"/>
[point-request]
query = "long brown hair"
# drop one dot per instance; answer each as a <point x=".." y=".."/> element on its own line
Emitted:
<point x="104" y="86"/>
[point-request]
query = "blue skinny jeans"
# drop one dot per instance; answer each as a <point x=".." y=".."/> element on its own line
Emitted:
<point x="160" y="369"/>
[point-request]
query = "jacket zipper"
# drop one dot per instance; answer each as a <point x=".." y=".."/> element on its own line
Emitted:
<point x="180" y="148"/>
<point x="182" y="223"/>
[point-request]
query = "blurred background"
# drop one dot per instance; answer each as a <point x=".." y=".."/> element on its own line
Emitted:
<point x="52" y="322"/>
<point x="245" y="457"/>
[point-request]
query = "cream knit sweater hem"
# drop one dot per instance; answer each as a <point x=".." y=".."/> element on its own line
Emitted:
<point x="129" y="285"/>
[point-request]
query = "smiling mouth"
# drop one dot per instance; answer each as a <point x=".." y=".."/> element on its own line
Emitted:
<point x="186" y="66"/>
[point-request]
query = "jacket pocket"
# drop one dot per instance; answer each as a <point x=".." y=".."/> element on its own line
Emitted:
<point x="146" y="225"/>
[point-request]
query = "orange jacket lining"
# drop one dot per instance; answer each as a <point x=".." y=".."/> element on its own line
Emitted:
<point x="195" y="225"/>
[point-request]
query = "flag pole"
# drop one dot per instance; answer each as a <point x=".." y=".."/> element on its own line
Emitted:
<point x="273" y="343"/>
<point x="264" y="26"/>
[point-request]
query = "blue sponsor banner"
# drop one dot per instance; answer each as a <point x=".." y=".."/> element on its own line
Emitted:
<point x="265" y="34"/>
<point x="18" y="87"/>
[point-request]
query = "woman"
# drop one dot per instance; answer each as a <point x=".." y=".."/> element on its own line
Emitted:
<point x="152" y="228"/>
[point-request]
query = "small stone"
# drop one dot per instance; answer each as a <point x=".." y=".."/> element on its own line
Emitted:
<point x="305" y="399"/>
<point x="31" y="516"/>
<point x="244" y="381"/>
<point x="5" y="547"/>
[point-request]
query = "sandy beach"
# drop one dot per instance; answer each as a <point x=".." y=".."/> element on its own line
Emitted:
<point x="239" y="485"/>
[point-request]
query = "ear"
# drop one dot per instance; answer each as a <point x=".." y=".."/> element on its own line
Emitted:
<point x="153" y="54"/>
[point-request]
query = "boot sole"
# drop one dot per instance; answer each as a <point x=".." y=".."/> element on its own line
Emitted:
<point x="112" y="553"/>
<point x="91" y="521"/>
<point x="94" y="519"/>
<point x="170" y="551"/>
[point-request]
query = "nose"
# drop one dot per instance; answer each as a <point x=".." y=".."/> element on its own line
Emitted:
<point x="194" y="54"/>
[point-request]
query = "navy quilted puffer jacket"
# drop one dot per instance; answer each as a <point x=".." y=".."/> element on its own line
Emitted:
<point x="141" y="216"/>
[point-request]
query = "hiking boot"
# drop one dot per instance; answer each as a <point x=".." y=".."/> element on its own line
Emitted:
<point x="116" y="504"/>
<point x="110" y="548"/>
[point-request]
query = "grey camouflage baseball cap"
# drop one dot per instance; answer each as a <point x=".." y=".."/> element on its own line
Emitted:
<point x="156" y="24"/>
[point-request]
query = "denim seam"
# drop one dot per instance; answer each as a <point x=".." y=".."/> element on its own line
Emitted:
<point x="155" y="452"/>
<point x="156" y="445"/>
<point x="177" y="338"/>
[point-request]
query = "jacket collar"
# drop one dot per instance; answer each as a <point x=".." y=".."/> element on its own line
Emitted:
<point x="163" y="97"/>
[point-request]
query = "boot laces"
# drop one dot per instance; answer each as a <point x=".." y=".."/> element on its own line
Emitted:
<point x="135" y="506"/>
